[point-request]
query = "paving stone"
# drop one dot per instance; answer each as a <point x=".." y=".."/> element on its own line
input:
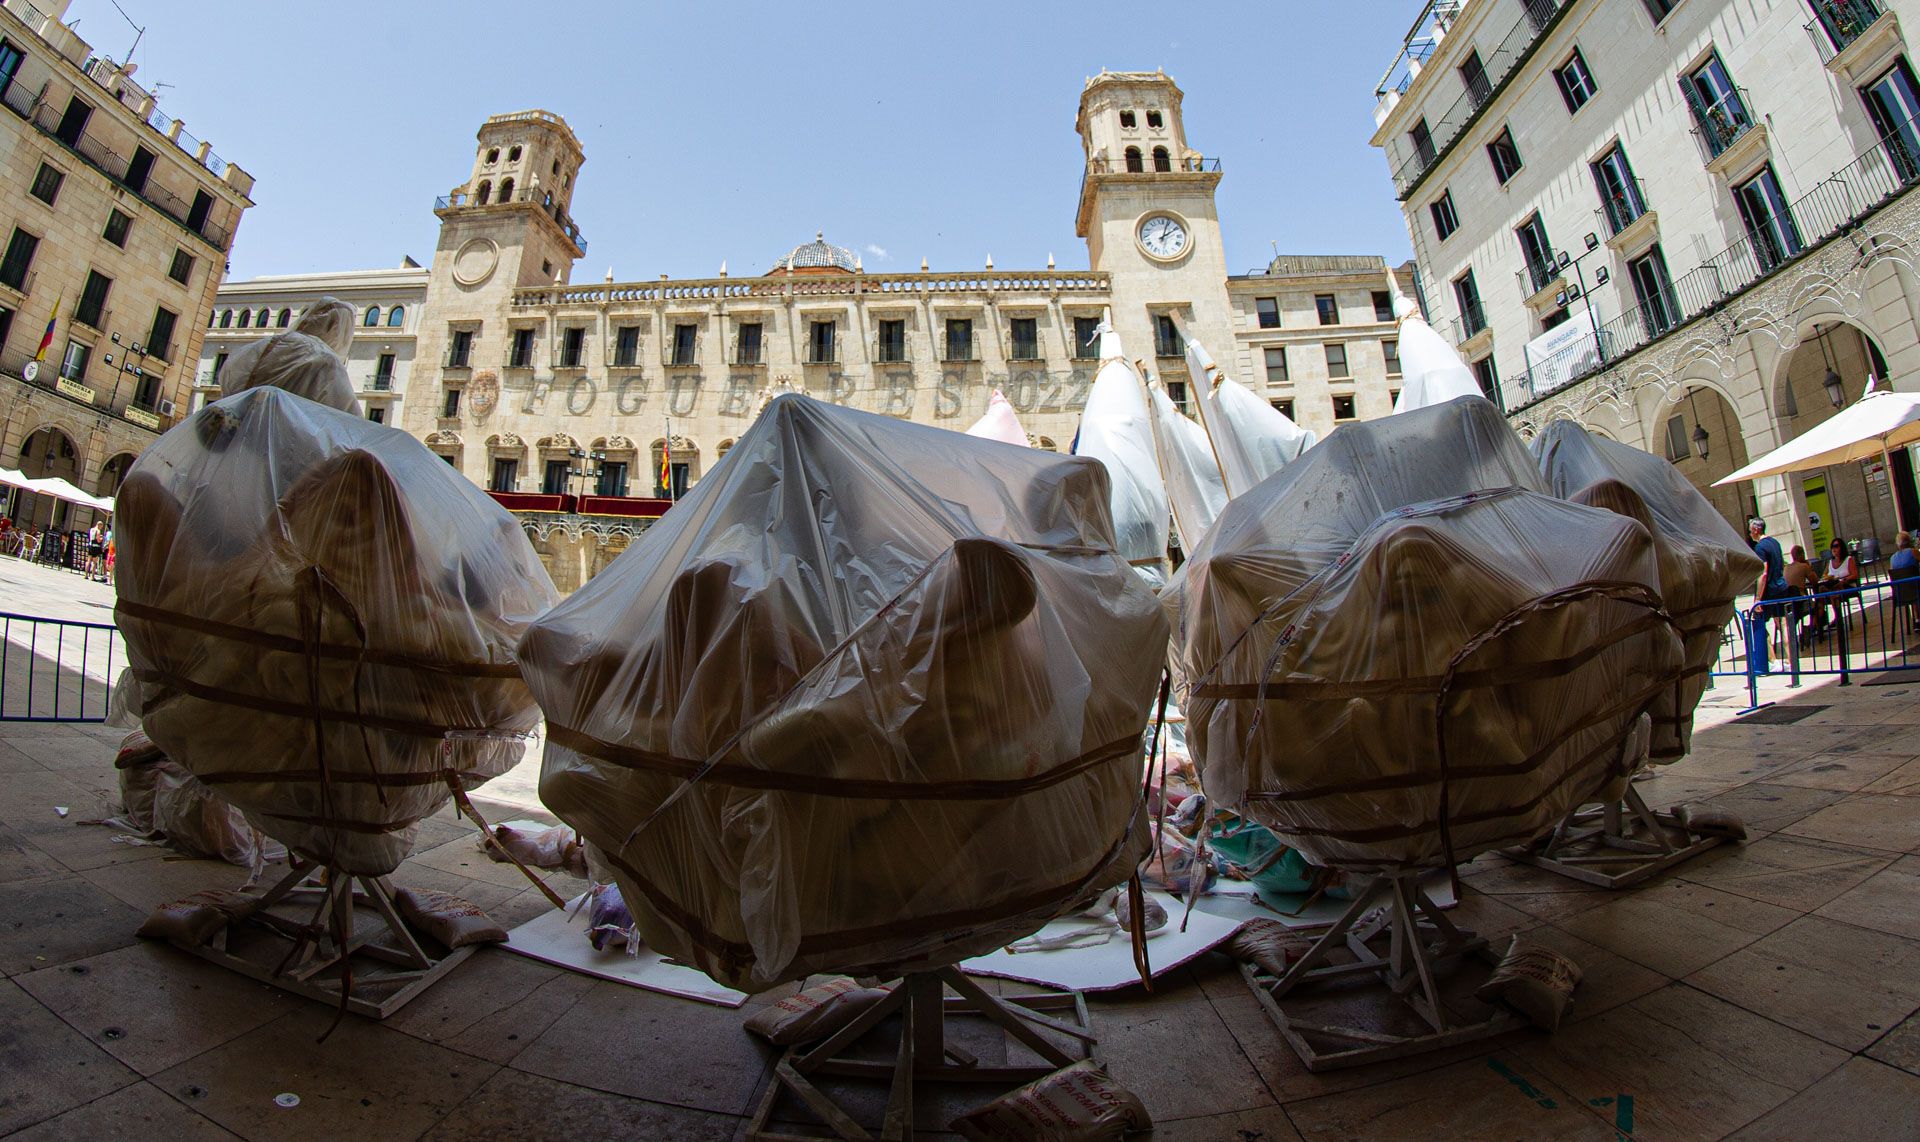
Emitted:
<point x="1839" y="983"/>
<point x="1900" y="1047"/>
<point x="147" y="884"/>
<point x="1677" y="928"/>
<point x="1904" y="781"/>
<point x="364" y="1081"/>
<point x="1863" y="1101"/>
<point x="1847" y="772"/>
<point x="1870" y="820"/>
<point x="1765" y="807"/>
<point x="1177" y="1056"/>
<point x="46" y="1067"/>
<point x="513" y="1105"/>
<point x="1268" y="1124"/>
<point x="1792" y="872"/>
<point x="1695" y="1066"/>
<point x="494" y="1005"/>
<point x="152" y="1006"/>
<point x="1887" y="901"/>
<point x="657" y="1047"/>
<point x="1491" y="1097"/>
<point x="136" y="1111"/>
<point x="54" y="919"/>
<point x="21" y="860"/>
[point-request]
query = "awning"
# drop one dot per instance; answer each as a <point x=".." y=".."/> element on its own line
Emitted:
<point x="60" y="489"/>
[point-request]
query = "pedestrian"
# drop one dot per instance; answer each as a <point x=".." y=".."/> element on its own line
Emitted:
<point x="96" y="549"/>
<point x="1773" y="576"/>
<point x="1904" y="561"/>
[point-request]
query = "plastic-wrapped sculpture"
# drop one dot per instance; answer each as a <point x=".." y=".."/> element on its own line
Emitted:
<point x="1704" y="563"/>
<point x="308" y="359"/>
<point x="312" y="603"/>
<point x="1402" y="652"/>
<point x="1116" y="428"/>
<point x="868" y="700"/>
<point x="999" y="422"/>
<point x="1194" y="488"/>
<point x="1251" y="439"/>
<point x="1433" y="373"/>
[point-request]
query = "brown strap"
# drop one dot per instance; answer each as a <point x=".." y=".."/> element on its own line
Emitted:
<point x="748" y="777"/>
<point x="225" y="697"/>
<point x="466" y="806"/>
<point x="125" y="609"/>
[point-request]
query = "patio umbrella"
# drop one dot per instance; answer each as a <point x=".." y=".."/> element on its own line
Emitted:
<point x="12" y="479"/>
<point x="1876" y="422"/>
<point x="60" y="489"/>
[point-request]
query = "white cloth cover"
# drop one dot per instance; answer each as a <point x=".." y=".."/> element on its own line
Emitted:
<point x="312" y="603"/>
<point x="1705" y="565"/>
<point x="308" y="360"/>
<point x="1194" y="489"/>
<point x="1402" y="652"/>
<point x="1116" y="429"/>
<point x="869" y="699"/>
<point x="1432" y="372"/>
<point x="1251" y="438"/>
<point x="999" y="423"/>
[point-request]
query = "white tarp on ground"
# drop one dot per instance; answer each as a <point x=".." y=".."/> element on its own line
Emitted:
<point x="1109" y="965"/>
<point x="560" y="938"/>
<point x="1876" y="423"/>
<point x="999" y="422"/>
<point x="1433" y="372"/>
<point x="1251" y="439"/>
<point x="1116" y="429"/>
<point x="1194" y="488"/>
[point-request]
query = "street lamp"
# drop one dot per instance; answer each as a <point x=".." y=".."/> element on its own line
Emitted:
<point x="1836" y="392"/>
<point x="1700" y="439"/>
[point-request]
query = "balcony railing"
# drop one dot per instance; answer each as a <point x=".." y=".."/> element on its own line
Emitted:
<point x="518" y="360"/>
<point x="383" y="382"/>
<point x="1024" y="351"/>
<point x="1472" y="319"/>
<point x="823" y="355"/>
<point x="1168" y="347"/>
<point x="552" y="210"/>
<point x="1540" y="273"/>
<point x="1497" y="65"/>
<point x="17" y="99"/>
<point x="956" y="348"/>
<point x="1721" y="122"/>
<point x="891" y="352"/>
<point x="1623" y="210"/>
<point x="1834" y="204"/>
<point x="1837" y="23"/>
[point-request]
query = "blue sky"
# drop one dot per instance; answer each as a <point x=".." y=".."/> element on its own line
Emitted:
<point x="734" y="131"/>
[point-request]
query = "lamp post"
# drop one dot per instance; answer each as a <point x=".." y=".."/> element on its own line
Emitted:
<point x="584" y="464"/>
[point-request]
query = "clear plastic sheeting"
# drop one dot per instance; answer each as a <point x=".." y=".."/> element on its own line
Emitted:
<point x="1251" y="439"/>
<point x="1705" y="565"/>
<point x="999" y="422"/>
<point x="1194" y="488"/>
<point x="1432" y="372"/>
<point x="309" y="359"/>
<point x="1116" y="428"/>
<point x="870" y="699"/>
<point x="311" y="604"/>
<point x="1402" y="652"/>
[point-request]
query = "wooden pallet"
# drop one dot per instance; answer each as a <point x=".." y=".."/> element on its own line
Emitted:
<point x="1615" y="845"/>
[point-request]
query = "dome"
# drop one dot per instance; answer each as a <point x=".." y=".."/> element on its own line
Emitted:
<point x="818" y="254"/>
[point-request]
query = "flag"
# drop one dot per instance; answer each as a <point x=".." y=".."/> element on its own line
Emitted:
<point x="46" y="338"/>
<point x="666" y="467"/>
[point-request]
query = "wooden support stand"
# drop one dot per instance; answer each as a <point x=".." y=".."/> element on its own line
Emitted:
<point x="1616" y="844"/>
<point x="925" y="1053"/>
<point x="353" y="922"/>
<point x="1338" y="1019"/>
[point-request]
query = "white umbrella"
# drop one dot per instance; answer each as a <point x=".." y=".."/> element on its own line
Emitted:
<point x="12" y="479"/>
<point x="1875" y="423"/>
<point x="60" y="489"/>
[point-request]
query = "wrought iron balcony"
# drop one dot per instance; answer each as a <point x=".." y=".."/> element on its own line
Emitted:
<point x="1540" y="273"/>
<point x="1837" y="23"/>
<point x="1722" y="121"/>
<point x="1624" y="209"/>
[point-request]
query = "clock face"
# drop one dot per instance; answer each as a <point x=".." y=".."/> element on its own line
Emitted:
<point x="1163" y="237"/>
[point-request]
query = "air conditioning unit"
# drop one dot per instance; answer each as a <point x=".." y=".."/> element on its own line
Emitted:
<point x="166" y="408"/>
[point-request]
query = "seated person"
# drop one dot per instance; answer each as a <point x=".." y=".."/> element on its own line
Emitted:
<point x="1904" y="561"/>
<point x="1842" y="573"/>
<point x="1799" y="572"/>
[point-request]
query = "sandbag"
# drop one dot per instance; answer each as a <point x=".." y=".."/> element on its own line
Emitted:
<point x="312" y="604"/>
<point x="1080" y="1103"/>
<point x="814" y="1013"/>
<point x="1704" y="563"/>
<point x="870" y="699"/>
<point x="1401" y="652"/>
<point x="196" y="919"/>
<point x="308" y="360"/>
<point x="1535" y="980"/>
<point x="447" y="918"/>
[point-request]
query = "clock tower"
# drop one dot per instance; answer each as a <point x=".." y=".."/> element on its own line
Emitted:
<point x="1147" y="213"/>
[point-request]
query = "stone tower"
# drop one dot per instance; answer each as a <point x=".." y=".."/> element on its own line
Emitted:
<point x="508" y="226"/>
<point x="1147" y="212"/>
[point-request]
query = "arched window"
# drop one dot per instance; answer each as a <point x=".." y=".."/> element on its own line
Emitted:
<point x="373" y="316"/>
<point x="493" y="155"/>
<point x="486" y="192"/>
<point x="213" y="318"/>
<point x="246" y="318"/>
<point x="1162" y="161"/>
<point x="513" y="154"/>
<point x="286" y="316"/>
<point x="1133" y="160"/>
<point x="264" y="317"/>
<point x="226" y="319"/>
<point x="396" y="317"/>
<point x="506" y="190"/>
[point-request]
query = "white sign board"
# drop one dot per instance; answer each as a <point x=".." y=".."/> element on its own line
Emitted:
<point x="1566" y="351"/>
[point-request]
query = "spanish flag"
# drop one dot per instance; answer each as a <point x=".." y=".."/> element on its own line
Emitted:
<point x="666" y="467"/>
<point x="46" y="339"/>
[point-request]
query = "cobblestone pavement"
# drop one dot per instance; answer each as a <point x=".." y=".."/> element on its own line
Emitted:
<point x="1765" y="990"/>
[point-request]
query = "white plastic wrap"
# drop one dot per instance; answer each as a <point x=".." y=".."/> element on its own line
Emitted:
<point x="868" y="699"/>
<point x="311" y="603"/>
<point x="1194" y="489"/>
<point x="1705" y="565"/>
<point x="1402" y="652"/>
<point x="308" y="359"/>
<point x="999" y="423"/>
<point x="1116" y="429"/>
<point x="1251" y="439"/>
<point x="1433" y="373"/>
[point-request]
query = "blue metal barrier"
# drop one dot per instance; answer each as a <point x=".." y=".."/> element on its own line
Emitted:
<point x="57" y="670"/>
<point x="1867" y="629"/>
